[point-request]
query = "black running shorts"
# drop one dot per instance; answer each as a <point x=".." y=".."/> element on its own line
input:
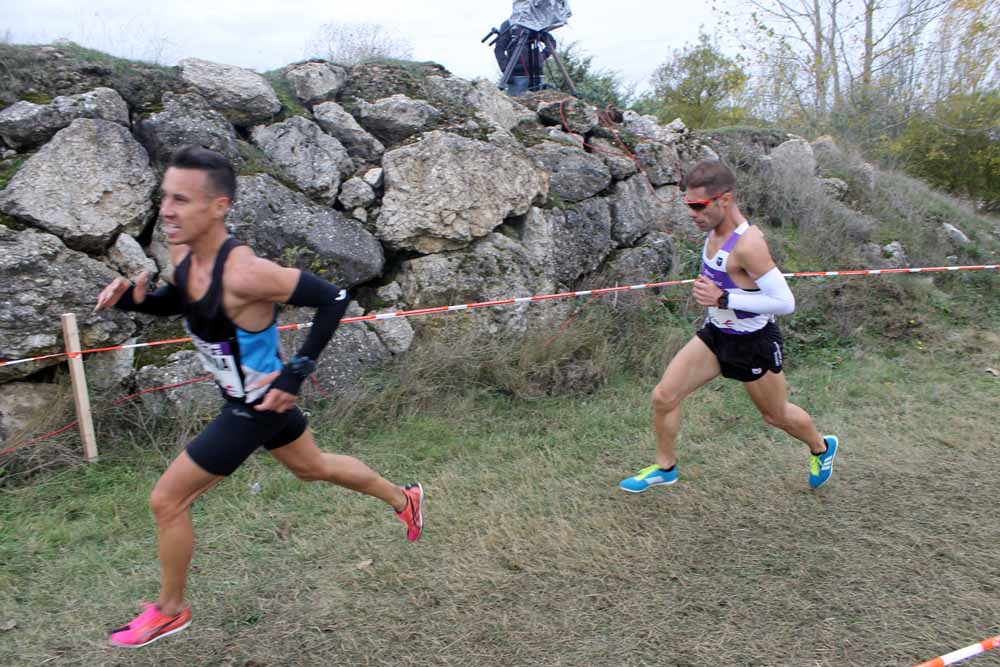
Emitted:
<point x="746" y="357"/>
<point x="238" y="430"/>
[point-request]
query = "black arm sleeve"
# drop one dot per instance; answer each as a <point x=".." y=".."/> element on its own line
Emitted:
<point x="331" y="304"/>
<point x="164" y="301"/>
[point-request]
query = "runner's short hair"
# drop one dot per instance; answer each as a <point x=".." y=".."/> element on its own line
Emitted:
<point x="216" y="166"/>
<point x="712" y="175"/>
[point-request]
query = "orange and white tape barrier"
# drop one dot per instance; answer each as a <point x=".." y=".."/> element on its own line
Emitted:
<point x="963" y="653"/>
<point x="523" y="299"/>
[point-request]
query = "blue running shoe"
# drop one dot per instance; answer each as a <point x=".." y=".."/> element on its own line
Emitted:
<point x="654" y="475"/>
<point x="821" y="465"/>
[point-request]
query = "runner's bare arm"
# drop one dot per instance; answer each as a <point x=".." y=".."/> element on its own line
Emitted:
<point x="263" y="280"/>
<point x="752" y="254"/>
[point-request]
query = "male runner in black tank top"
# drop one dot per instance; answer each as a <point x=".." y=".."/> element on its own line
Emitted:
<point x="227" y="296"/>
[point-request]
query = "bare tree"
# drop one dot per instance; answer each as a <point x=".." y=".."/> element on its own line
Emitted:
<point x="966" y="55"/>
<point x="349" y="43"/>
<point x="846" y="47"/>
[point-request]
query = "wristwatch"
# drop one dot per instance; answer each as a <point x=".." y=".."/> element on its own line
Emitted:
<point x="301" y="367"/>
<point x="723" y="301"/>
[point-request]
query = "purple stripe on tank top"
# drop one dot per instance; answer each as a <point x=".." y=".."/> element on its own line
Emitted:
<point x="223" y="348"/>
<point x="730" y="242"/>
<point x="720" y="278"/>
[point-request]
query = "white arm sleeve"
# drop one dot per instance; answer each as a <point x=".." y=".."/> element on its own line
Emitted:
<point x="774" y="297"/>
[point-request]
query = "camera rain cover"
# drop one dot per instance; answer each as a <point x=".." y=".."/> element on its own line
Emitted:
<point x="540" y="14"/>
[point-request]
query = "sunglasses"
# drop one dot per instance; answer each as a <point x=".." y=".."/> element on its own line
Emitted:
<point x="700" y="204"/>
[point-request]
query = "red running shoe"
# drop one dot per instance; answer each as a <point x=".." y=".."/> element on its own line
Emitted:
<point x="413" y="514"/>
<point x="149" y="626"/>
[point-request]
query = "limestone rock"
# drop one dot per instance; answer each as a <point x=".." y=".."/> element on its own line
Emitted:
<point x="570" y="114"/>
<point x="444" y="191"/>
<point x="891" y="256"/>
<point x="314" y="160"/>
<point x="647" y="127"/>
<point x="557" y="136"/>
<point x="23" y="405"/>
<point x="241" y="95"/>
<point x="834" y="187"/>
<point x="126" y="256"/>
<point x="955" y="234"/>
<point x="374" y="178"/>
<point x="397" y="333"/>
<point x="286" y="227"/>
<point x="574" y="174"/>
<point x="25" y="124"/>
<point x="108" y="372"/>
<point x="794" y="157"/>
<point x="826" y="150"/>
<point x="897" y="253"/>
<point x="40" y="279"/>
<point x="650" y="261"/>
<point x="90" y="182"/>
<point x="491" y="268"/>
<point x="187" y="119"/>
<point x="636" y="210"/>
<point x="199" y="398"/>
<point x="568" y="243"/>
<point x="159" y="251"/>
<point x="315" y="82"/>
<point x="660" y="162"/>
<point x="615" y="157"/>
<point x="676" y="217"/>
<point x="483" y="96"/>
<point x="393" y="119"/>
<point x="341" y="125"/>
<point x="356" y="193"/>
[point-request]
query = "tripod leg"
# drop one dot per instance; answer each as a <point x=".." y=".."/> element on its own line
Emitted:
<point x="550" y="43"/>
<point x="534" y="55"/>
<point x="522" y="39"/>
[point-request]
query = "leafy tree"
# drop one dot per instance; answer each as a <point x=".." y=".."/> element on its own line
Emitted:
<point x="600" y="87"/>
<point x="698" y="84"/>
<point x="349" y="43"/>
<point x="957" y="147"/>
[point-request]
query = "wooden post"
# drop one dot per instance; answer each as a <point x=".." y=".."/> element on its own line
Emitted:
<point x="71" y="338"/>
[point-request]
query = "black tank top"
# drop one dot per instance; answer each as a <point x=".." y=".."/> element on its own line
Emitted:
<point x="235" y="357"/>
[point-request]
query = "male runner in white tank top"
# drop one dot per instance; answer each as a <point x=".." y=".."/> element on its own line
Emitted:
<point x="743" y="291"/>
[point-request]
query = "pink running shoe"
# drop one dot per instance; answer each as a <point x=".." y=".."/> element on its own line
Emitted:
<point x="413" y="514"/>
<point x="149" y="626"/>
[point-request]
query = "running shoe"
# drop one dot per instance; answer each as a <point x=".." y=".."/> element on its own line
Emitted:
<point x="649" y="477"/>
<point x="149" y="626"/>
<point x="821" y="465"/>
<point x="412" y="515"/>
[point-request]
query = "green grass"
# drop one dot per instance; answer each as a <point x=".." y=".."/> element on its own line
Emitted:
<point x="9" y="168"/>
<point x="533" y="557"/>
<point x="120" y="65"/>
<point x="290" y="105"/>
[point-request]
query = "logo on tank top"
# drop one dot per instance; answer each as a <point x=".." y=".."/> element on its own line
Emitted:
<point x="757" y="371"/>
<point x="718" y="261"/>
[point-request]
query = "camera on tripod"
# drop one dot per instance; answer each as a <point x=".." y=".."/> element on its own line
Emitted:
<point x="524" y="42"/>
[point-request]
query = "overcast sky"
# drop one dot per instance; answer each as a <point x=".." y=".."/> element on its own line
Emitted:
<point x="631" y="37"/>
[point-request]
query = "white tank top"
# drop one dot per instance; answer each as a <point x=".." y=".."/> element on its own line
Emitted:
<point x="714" y="268"/>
